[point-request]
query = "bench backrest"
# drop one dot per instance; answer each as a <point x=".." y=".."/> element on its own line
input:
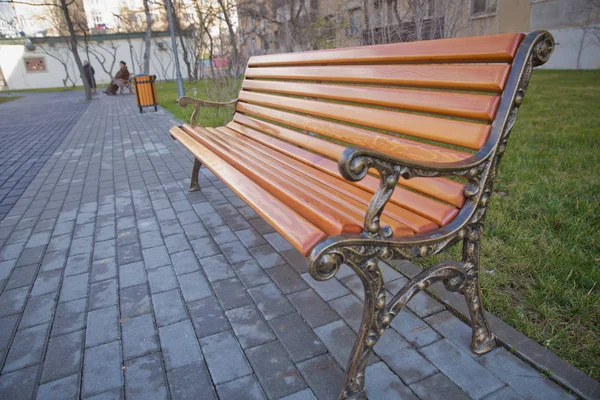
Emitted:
<point x="429" y="101"/>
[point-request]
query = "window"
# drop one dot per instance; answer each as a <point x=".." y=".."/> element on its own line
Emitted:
<point x="35" y="64"/>
<point x="479" y="7"/>
<point x="355" y="24"/>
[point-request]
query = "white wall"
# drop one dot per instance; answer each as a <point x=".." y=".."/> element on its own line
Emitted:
<point x="17" y="78"/>
<point x="568" y="43"/>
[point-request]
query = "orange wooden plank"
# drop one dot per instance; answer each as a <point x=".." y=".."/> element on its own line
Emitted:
<point x="492" y="48"/>
<point x="484" y="77"/>
<point x="417" y="223"/>
<point x="424" y="206"/>
<point x="444" y="189"/>
<point x="300" y="233"/>
<point x="328" y="195"/>
<point x="466" y="105"/>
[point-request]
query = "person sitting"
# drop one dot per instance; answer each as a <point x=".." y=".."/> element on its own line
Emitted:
<point x="120" y="78"/>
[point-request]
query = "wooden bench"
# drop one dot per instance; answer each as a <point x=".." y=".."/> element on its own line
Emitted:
<point x="124" y="84"/>
<point x="375" y="153"/>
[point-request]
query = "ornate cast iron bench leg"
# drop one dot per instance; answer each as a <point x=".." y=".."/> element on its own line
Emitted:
<point x="194" y="186"/>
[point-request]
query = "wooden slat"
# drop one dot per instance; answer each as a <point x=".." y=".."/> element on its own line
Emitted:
<point x="433" y="210"/>
<point x="485" y="77"/>
<point x="493" y="48"/>
<point x="298" y="231"/>
<point x="328" y="195"/>
<point x="322" y="215"/>
<point x="444" y="189"/>
<point x="466" y="134"/>
<point x="392" y="211"/>
<point x="466" y="105"/>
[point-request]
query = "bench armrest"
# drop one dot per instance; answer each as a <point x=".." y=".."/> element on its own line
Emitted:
<point x="184" y="101"/>
<point x="355" y="162"/>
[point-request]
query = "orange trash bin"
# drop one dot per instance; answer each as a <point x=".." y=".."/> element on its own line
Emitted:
<point x="145" y="91"/>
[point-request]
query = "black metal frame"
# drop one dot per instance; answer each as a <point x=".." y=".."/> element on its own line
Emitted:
<point x="362" y="252"/>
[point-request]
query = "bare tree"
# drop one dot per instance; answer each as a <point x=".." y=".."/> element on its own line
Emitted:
<point x="147" y="37"/>
<point x="64" y="57"/>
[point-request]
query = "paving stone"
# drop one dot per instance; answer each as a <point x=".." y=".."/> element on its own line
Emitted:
<point x="74" y="287"/>
<point x="78" y="264"/>
<point x="31" y="255"/>
<point x="184" y="262"/>
<point x="22" y="276"/>
<point x="350" y="308"/>
<point x="81" y="246"/>
<point x="305" y="394"/>
<point x="105" y="249"/>
<point x="27" y="348"/>
<point x="250" y="274"/>
<point x="134" y="301"/>
<point x="453" y="329"/>
<point x="19" y="385"/>
<point x="339" y="340"/>
<point x="131" y="274"/>
<point x="139" y="336"/>
<point x="296" y="337"/>
<point x="275" y="372"/>
<point x="461" y="369"/>
<point x="216" y="268"/>
<point x="261" y="226"/>
<point x="312" y="308"/>
<point x="246" y="388"/>
<point x="102" y="326"/>
<point x="13" y="301"/>
<point x="204" y="208"/>
<point x="249" y="327"/>
<point x="6" y="268"/>
<point x="102" y="369"/>
<point x="424" y="305"/>
<point x="414" y="329"/>
<point x="84" y="230"/>
<point x="168" y="307"/>
<point x="402" y="358"/>
<point x="235" y="252"/>
<point x="70" y="316"/>
<point x="179" y="345"/>
<point x="176" y="243"/>
<point x="104" y="269"/>
<point x="11" y="252"/>
<point x="63" y="357"/>
<point x="191" y="382"/>
<point x="506" y="393"/>
<point x="224" y="357"/>
<point x="125" y="238"/>
<point x="38" y="239"/>
<point x="170" y="227"/>
<point x="205" y="247"/>
<point x="355" y="285"/>
<point x="195" y="231"/>
<point x="270" y="301"/>
<point x="287" y="279"/>
<point x="250" y="238"/>
<point x="39" y="310"/>
<point x="62" y="389"/>
<point x="328" y="290"/>
<point x="223" y="234"/>
<point x="144" y="378"/>
<point x="7" y="328"/>
<point x="54" y="260"/>
<point x="230" y="293"/>
<point x="194" y="286"/>
<point x="106" y="232"/>
<point x="207" y="317"/>
<point x="381" y="383"/>
<point x="59" y="243"/>
<point x="437" y="386"/>
<point x="266" y="256"/>
<point x="323" y="375"/>
<point x="155" y="257"/>
<point x="521" y="377"/>
<point x="162" y="279"/>
<point x="129" y="253"/>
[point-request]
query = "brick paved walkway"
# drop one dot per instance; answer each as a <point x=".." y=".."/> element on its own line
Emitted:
<point x="30" y="130"/>
<point x="116" y="282"/>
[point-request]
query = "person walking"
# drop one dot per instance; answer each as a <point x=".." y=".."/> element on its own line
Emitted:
<point x="121" y="77"/>
<point x="89" y="72"/>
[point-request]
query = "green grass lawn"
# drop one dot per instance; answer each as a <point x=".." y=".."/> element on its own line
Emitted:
<point x="541" y="251"/>
<point x="6" y="99"/>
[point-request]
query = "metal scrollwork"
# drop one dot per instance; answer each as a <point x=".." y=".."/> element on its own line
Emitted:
<point x="185" y="101"/>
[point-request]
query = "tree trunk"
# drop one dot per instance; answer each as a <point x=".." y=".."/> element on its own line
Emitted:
<point x="73" y="42"/>
<point x="147" y="38"/>
<point x="369" y="38"/>
<point x="236" y="59"/>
